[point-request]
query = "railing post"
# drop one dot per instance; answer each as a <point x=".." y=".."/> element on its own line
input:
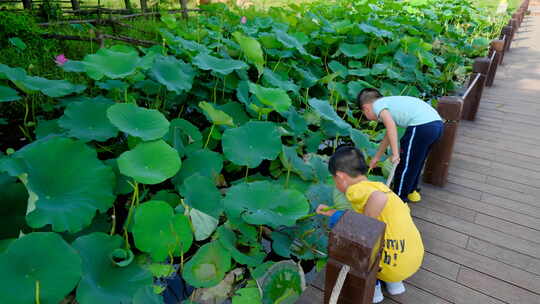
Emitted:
<point x="471" y="98"/>
<point x="506" y="34"/>
<point x="438" y="161"/>
<point x="497" y="48"/>
<point x="355" y="241"/>
<point x="514" y="25"/>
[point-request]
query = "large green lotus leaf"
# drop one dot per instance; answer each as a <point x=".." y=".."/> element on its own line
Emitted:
<point x="221" y="66"/>
<point x="291" y="161"/>
<point x="354" y="50"/>
<point x="283" y="283"/>
<point x="51" y="88"/>
<point x="281" y="244"/>
<point x="296" y="122"/>
<point x="173" y="73"/>
<point x="184" y="136"/>
<point x="265" y="203"/>
<point x="290" y="41"/>
<point x="167" y="196"/>
<point x="139" y="122"/>
<point x="278" y="81"/>
<point x="366" y="28"/>
<point x="228" y="240"/>
<point x="87" y="120"/>
<point x="150" y="162"/>
<point x="147" y="295"/>
<point x="4" y="244"/>
<point x="118" y="61"/>
<point x="251" y="48"/>
<point x="103" y="281"/>
<point x="406" y="61"/>
<point x="216" y="116"/>
<point x="8" y="94"/>
<point x="276" y="98"/>
<point x="327" y="112"/>
<point x="251" y="143"/>
<point x="360" y="139"/>
<point x="200" y="192"/>
<point x="203" y="224"/>
<point x="339" y="68"/>
<point x="160" y="232"/>
<point x="122" y="182"/>
<point x="42" y="257"/>
<point x="48" y="127"/>
<point x="69" y="200"/>
<point x="203" y="162"/>
<point x="13" y="204"/>
<point x="208" y="266"/>
<point x="236" y="111"/>
<point x="247" y="295"/>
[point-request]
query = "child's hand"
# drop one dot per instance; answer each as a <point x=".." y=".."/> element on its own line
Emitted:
<point x="395" y="159"/>
<point x="373" y="162"/>
<point x="323" y="209"/>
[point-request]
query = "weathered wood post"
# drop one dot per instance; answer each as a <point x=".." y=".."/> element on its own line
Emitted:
<point x="75" y="5"/>
<point x="473" y="94"/>
<point x="184" y="6"/>
<point x="506" y="34"/>
<point x="144" y="6"/>
<point x="514" y="25"/>
<point x="497" y="48"/>
<point x="27" y="4"/>
<point x="438" y="161"/>
<point x="356" y="242"/>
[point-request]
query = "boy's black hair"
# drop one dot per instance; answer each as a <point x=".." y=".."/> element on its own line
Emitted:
<point x="349" y="160"/>
<point x="368" y="95"/>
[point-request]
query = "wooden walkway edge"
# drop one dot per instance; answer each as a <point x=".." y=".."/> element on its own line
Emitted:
<point x="482" y="231"/>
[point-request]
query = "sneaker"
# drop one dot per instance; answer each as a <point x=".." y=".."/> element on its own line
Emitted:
<point x="377" y="295"/>
<point x="395" y="288"/>
<point x="414" y="197"/>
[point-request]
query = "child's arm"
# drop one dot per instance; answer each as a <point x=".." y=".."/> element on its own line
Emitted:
<point x="391" y="133"/>
<point x="382" y="148"/>
<point x="375" y="204"/>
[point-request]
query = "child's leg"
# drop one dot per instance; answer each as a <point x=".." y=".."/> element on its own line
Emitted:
<point x="415" y="146"/>
<point x="436" y="132"/>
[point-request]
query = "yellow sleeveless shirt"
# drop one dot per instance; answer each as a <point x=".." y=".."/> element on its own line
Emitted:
<point x="403" y="248"/>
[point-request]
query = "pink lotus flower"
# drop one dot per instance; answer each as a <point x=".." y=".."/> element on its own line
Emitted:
<point x="60" y="59"/>
<point x="243" y="20"/>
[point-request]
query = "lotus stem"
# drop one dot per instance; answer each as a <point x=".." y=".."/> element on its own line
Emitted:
<point x="134" y="198"/>
<point x="209" y="134"/>
<point x="113" y="228"/>
<point x="37" y="293"/>
<point x="247" y="172"/>
<point x="288" y="176"/>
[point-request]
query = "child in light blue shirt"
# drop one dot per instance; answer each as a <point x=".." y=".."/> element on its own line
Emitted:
<point x="423" y="126"/>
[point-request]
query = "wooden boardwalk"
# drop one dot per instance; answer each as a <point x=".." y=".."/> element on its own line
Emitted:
<point x="482" y="231"/>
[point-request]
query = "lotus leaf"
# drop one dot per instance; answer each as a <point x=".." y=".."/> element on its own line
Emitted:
<point x="8" y="94"/>
<point x="216" y="116"/>
<point x="251" y="48"/>
<point x="204" y="162"/>
<point x="87" y="120"/>
<point x="251" y="143"/>
<point x="70" y="200"/>
<point x="324" y="109"/>
<point x="247" y="295"/>
<point x="184" y="136"/>
<point x="200" y="192"/>
<point x="208" y="266"/>
<point x="203" y="224"/>
<point x="221" y="66"/>
<point x="279" y="81"/>
<point x="228" y="240"/>
<point x="283" y="282"/>
<point x="276" y="98"/>
<point x="354" y="50"/>
<point x="41" y="259"/>
<point x="173" y="73"/>
<point x="102" y="280"/>
<point x="14" y="198"/>
<point x="160" y="232"/>
<point x="265" y="203"/>
<point x="136" y="121"/>
<point x="150" y="162"/>
<point x="146" y="295"/>
<point x="116" y="62"/>
<point x="168" y="196"/>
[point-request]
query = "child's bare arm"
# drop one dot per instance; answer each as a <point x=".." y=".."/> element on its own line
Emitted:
<point x="391" y="132"/>
<point x="375" y="204"/>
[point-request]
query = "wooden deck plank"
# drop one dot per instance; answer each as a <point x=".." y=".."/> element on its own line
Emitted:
<point x="483" y="264"/>
<point x="416" y="295"/>
<point x="496" y="288"/>
<point x="516" y="230"/>
<point x="449" y="290"/>
<point x="428" y="229"/>
<point x="477" y="231"/>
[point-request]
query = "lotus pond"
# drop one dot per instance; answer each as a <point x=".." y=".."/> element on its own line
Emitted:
<point x="205" y="155"/>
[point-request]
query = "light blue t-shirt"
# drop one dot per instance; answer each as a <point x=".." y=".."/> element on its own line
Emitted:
<point x="406" y="111"/>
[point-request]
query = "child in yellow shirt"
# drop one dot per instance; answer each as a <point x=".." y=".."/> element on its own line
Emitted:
<point x="403" y="248"/>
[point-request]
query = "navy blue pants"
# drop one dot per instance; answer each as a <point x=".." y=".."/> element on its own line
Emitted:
<point x="414" y="148"/>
